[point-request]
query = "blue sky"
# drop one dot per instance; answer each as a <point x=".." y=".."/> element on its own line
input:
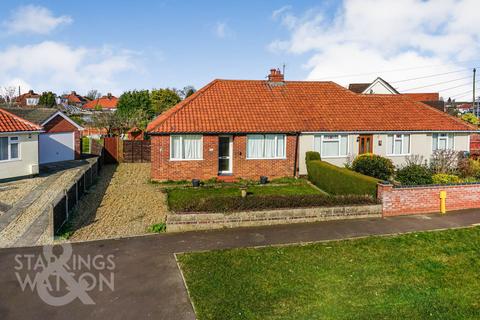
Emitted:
<point x="116" y="46"/>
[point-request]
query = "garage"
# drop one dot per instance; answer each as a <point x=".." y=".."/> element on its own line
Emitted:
<point x="54" y="147"/>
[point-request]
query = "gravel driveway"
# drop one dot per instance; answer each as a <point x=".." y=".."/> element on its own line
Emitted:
<point x="122" y="203"/>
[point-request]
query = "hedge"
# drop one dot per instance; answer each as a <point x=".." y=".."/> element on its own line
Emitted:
<point x="264" y="202"/>
<point x="340" y="181"/>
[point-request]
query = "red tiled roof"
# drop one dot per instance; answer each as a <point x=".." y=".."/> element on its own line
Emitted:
<point x="428" y="96"/>
<point x="106" y="102"/>
<point x="228" y="106"/>
<point x="12" y="123"/>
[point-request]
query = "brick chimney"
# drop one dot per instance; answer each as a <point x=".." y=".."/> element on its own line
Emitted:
<point x="275" y="75"/>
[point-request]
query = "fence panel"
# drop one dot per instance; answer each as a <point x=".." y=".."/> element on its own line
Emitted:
<point x="136" y="150"/>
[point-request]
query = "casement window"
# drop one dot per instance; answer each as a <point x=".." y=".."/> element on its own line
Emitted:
<point x="266" y="146"/>
<point x="398" y="144"/>
<point x="331" y="145"/>
<point x="186" y="147"/>
<point x="32" y="101"/>
<point x="9" y="148"/>
<point x="442" y="141"/>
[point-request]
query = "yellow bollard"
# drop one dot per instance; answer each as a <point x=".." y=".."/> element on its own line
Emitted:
<point x="443" y="200"/>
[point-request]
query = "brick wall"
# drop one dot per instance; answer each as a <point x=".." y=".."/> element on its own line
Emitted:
<point x="415" y="200"/>
<point x="164" y="169"/>
<point x="59" y="124"/>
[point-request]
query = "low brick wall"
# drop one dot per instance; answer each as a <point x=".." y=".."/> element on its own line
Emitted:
<point x="426" y="199"/>
<point x="204" y="221"/>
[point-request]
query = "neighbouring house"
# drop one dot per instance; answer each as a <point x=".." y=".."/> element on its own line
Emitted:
<point x="29" y="99"/>
<point x="105" y="103"/>
<point x="60" y="140"/>
<point x="18" y="146"/>
<point x="380" y="86"/>
<point x="73" y="99"/>
<point x="250" y="128"/>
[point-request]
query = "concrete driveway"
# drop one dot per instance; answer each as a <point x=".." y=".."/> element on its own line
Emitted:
<point x="148" y="283"/>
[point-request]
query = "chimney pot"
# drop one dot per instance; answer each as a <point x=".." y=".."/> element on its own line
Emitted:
<point x="275" y="75"/>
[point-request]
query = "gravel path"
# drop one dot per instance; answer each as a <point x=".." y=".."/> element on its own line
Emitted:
<point x="122" y="203"/>
<point x="11" y="192"/>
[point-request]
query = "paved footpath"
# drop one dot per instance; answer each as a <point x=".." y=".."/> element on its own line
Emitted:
<point x="148" y="283"/>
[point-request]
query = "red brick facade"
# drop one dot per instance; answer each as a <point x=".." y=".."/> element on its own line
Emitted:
<point x="416" y="200"/>
<point x="164" y="169"/>
<point x="60" y="124"/>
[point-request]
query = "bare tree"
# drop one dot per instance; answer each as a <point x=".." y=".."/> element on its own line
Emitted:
<point x="444" y="161"/>
<point x="93" y="94"/>
<point x="8" y="94"/>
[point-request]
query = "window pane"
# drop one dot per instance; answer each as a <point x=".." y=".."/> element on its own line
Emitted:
<point x="450" y="141"/>
<point x="390" y="144"/>
<point x="192" y="147"/>
<point x="397" y="146"/>
<point x="343" y="145"/>
<point x="435" y="141"/>
<point x="4" y="148"/>
<point x="269" y="146"/>
<point x="406" y="144"/>
<point x="317" y="144"/>
<point x="255" y="146"/>
<point x="14" y="151"/>
<point x="280" y="146"/>
<point x="442" y="143"/>
<point x="176" y="148"/>
<point x="330" y="148"/>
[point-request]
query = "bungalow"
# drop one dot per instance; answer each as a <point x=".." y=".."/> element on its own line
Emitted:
<point x="18" y="146"/>
<point x="250" y="128"/>
<point x="29" y="99"/>
<point x="60" y="140"/>
<point x="105" y="103"/>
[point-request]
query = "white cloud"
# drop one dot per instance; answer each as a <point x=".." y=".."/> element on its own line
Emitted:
<point x="59" y="67"/>
<point x="34" y="19"/>
<point x="370" y="35"/>
<point x="222" y="30"/>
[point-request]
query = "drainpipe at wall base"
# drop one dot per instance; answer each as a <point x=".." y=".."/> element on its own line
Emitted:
<point x="295" y="165"/>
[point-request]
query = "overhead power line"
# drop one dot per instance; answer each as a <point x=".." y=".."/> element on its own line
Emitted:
<point x="395" y="70"/>
<point x="436" y="84"/>
<point x="459" y="86"/>
<point x="430" y="76"/>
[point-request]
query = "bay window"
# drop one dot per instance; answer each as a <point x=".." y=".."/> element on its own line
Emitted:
<point x="398" y="144"/>
<point x="442" y="141"/>
<point x="9" y="149"/>
<point x="266" y="146"/>
<point x="186" y="147"/>
<point x="331" y="145"/>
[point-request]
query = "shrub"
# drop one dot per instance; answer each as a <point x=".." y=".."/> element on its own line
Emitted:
<point x="467" y="167"/>
<point x="312" y="155"/>
<point x="443" y="178"/>
<point x="374" y="166"/>
<point x="340" y="181"/>
<point x="157" y="228"/>
<point x="265" y="202"/>
<point x="414" y="174"/>
<point x="444" y="161"/>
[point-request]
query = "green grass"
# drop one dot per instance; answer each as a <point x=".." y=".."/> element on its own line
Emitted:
<point x="417" y="276"/>
<point x="157" y="228"/>
<point x="177" y="197"/>
<point x="85" y="145"/>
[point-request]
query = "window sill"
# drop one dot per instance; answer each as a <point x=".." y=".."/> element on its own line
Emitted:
<point x="333" y="157"/>
<point x="178" y="160"/>
<point x="10" y="160"/>
<point x="399" y="155"/>
<point x="265" y="158"/>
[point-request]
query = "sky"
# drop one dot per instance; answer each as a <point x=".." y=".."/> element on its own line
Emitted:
<point x="113" y="46"/>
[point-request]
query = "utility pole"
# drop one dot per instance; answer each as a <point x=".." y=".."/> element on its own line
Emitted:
<point x="475" y="110"/>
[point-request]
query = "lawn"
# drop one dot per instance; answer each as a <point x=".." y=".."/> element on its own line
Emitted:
<point x="179" y="197"/>
<point x="417" y="276"/>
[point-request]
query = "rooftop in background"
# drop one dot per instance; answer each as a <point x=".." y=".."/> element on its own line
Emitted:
<point x="74" y="98"/>
<point x="34" y="115"/>
<point x="106" y="102"/>
<point x="12" y="123"/>
<point x="246" y="106"/>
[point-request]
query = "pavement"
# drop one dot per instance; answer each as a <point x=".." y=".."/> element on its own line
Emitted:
<point x="148" y="282"/>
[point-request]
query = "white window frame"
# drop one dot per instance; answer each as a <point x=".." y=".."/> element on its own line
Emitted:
<point x="181" y="142"/>
<point x="337" y="139"/>
<point x="443" y="136"/>
<point x="32" y="101"/>
<point x="402" y="139"/>
<point x="276" y="146"/>
<point x="12" y="140"/>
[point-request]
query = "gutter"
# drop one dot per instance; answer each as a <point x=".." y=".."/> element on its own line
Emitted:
<point x="297" y="161"/>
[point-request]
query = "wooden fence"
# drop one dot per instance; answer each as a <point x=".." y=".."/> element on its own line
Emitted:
<point x="136" y="151"/>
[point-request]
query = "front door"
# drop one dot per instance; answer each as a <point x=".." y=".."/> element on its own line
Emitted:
<point x="225" y="154"/>
<point x="365" y="144"/>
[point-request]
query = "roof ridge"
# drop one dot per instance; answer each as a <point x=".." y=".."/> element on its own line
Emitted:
<point x="182" y="104"/>
<point x="21" y="119"/>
